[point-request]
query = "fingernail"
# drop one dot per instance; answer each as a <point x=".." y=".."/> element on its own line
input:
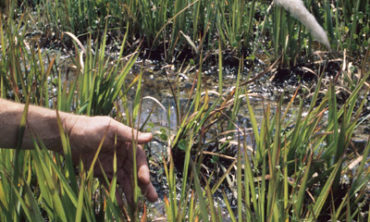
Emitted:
<point x="145" y="136"/>
<point x="144" y="174"/>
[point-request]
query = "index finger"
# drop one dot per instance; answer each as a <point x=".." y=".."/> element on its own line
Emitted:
<point x="128" y="134"/>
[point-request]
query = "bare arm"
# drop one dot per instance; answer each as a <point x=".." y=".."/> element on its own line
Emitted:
<point x="85" y="134"/>
<point x="40" y="121"/>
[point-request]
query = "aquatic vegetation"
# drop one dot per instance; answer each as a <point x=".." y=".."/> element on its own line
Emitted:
<point x="174" y="28"/>
<point x="229" y="153"/>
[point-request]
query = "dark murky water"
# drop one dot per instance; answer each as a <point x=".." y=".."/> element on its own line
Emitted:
<point x="158" y="106"/>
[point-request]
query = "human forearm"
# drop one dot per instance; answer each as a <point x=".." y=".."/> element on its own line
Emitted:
<point x="86" y="135"/>
<point x="41" y="124"/>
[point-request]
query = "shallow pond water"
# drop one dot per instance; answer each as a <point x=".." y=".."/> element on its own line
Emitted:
<point x="158" y="108"/>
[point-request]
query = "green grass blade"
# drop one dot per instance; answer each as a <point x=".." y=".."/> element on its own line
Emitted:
<point x="202" y="201"/>
<point x="317" y="207"/>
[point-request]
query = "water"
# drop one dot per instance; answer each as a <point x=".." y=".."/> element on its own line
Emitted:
<point x="159" y="109"/>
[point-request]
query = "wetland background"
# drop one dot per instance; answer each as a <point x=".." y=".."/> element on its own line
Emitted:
<point x="252" y="119"/>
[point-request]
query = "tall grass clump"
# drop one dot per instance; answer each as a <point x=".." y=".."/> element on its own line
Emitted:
<point x="292" y="162"/>
<point x="159" y="23"/>
<point x="173" y="28"/>
<point x="294" y="171"/>
<point x="37" y="184"/>
<point x="349" y="25"/>
<point x="290" y="38"/>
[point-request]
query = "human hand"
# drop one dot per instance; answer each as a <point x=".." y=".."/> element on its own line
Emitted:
<point x="86" y="133"/>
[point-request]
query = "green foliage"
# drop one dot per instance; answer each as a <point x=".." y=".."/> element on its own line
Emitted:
<point x="38" y="185"/>
<point x="300" y="155"/>
<point x="291" y="175"/>
<point x="237" y="23"/>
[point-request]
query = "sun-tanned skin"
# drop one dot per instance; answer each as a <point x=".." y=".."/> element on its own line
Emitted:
<point x="85" y="133"/>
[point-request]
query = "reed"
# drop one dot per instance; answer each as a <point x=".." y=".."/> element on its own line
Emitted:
<point x="293" y="168"/>
<point x="294" y="171"/>
<point x="39" y="185"/>
<point x="237" y="23"/>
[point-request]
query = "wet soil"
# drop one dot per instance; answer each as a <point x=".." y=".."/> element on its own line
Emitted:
<point x="162" y="79"/>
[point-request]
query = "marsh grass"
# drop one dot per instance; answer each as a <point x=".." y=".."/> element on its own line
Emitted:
<point x="294" y="170"/>
<point x="277" y="180"/>
<point x="241" y="25"/>
<point x="293" y="173"/>
<point x="38" y="185"/>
